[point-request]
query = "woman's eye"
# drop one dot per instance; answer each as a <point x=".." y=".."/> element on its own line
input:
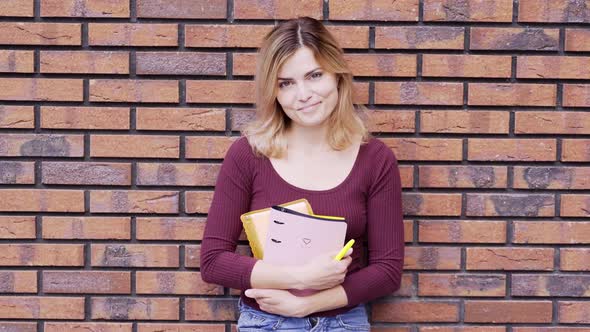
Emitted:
<point x="283" y="84"/>
<point x="316" y="75"/>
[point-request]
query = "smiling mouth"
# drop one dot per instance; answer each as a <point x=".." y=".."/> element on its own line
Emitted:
<point x="308" y="107"/>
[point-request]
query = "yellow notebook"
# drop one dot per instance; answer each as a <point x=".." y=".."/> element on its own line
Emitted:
<point x="256" y="224"/>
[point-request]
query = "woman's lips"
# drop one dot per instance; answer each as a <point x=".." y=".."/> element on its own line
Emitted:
<point x="306" y="108"/>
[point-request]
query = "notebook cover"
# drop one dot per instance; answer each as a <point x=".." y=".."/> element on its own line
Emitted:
<point x="256" y="223"/>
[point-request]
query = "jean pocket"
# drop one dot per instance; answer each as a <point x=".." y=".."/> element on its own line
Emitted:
<point x="255" y="320"/>
<point x="355" y="319"/>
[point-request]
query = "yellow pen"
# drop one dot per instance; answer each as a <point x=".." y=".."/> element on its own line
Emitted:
<point x="344" y="250"/>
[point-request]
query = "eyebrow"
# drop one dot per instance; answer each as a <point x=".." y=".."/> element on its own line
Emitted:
<point x="309" y="72"/>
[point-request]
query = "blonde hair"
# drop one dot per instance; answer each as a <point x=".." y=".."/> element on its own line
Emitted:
<point x="266" y="134"/>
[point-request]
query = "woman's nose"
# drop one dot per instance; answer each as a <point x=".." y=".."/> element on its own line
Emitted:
<point x="303" y="92"/>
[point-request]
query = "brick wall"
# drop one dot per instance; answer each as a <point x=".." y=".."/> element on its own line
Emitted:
<point x="115" y="115"/>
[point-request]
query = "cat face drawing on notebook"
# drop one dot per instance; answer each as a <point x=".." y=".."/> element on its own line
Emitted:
<point x="293" y="238"/>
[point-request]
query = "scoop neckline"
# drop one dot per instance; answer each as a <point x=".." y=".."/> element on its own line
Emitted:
<point x="347" y="179"/>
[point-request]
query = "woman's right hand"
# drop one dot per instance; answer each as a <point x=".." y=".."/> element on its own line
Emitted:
<point x="323" y="272"/>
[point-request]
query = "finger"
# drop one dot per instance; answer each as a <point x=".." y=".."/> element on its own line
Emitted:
<point x="255" y="293"/>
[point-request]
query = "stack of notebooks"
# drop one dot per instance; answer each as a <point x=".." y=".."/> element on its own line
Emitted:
<point x="291" y="233"/>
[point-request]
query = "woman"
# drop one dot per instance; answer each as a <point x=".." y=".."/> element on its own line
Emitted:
<point x="307" y="142"/>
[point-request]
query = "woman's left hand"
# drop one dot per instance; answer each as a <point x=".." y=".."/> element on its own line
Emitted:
<point x="280" y="302"/>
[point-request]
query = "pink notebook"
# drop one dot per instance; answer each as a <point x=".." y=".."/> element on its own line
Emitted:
<point x="294" y="238"/>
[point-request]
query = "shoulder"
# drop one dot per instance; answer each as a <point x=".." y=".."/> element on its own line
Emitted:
<point x="378" y="152"/>
<point x="240" y="149"/>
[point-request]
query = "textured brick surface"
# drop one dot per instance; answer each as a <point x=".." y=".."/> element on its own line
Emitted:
<point x="116" y="116"/>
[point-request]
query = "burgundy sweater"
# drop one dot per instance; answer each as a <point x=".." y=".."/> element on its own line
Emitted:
<point x="369" y="198"/>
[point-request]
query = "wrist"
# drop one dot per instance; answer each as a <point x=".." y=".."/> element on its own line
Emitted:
<point x="297" y="275"/>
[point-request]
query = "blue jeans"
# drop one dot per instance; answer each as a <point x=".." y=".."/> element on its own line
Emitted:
<point x="252" y="320"/>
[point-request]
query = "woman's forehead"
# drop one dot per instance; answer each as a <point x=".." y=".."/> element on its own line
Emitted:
<point x="299" y="64"/>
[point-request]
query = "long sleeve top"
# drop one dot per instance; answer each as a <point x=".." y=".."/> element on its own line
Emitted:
<point x="369" y="198"/>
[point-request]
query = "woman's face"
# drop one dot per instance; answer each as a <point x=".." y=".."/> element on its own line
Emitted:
<point x="306" y="92"/>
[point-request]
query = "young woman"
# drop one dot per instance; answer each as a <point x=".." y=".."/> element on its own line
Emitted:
<point x="308" y="141"/>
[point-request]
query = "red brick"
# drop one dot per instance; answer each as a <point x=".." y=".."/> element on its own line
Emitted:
<point x="439" y="284"/>
<point x="175" y="228"/>
<point x="407" y="288"/>
<point x="58" y="117"/>
<point x="425" y="148"/>
<point x="174" y="327"/>
<point x="133" y="201"/>
<point x="459" y="65"/>
<point x="210" y="309"/>
<point x="192" y="257"/>
<point x="512" y="94"/>
<point x="420" y="37"/>
<point x="84" y="62"/>
<point x="182" y="283"/>
<point x="462" y="176"/>
<point x="94" y="8"/>
<point x="559" y="11"/>
<point x="208" y="146"/>
<point x="575" y="205"/>
<point x="407" y="176"/>
<point x="519" y="205"/>
<point x="574" y="312"/>
<point x="550" y="285"/>
<point x="17" y="8"/>
<point x="197" y="201"/>
<point x="85" y="327"/>
<point x="41" y="145"/>
<point x="390" y="65"/>
<point x="135" y="308"/>
<point x="18" y="326"/>
<point x="18" y="282"/>
<point x="134" y="255"/>
<point x="468" y="10"/>
<point x="189" y="119"/>
<point x="415" y="311"/>
<point x="467" y="328"/>
<point x="209" y="9"/>
<point x="12" y="61"/>
<point x="176" y="174"/>
<point x="462" y="231"/>
<point x="510" y="259"/>
<point x="132" y="34"/>
<point x="17" y="172"/>
<point x="219" y="91"/>
<point x="553" y="232"/>
<point x="134" y="146"/>
<point x="17" y="227"/>
<point x="17" y="117"/>
<point x="561" y="67"/>
<point x="574" y="259"/>
<point x="404" y="10"/>
<point x="464" y="122"/>
<point x="81" y="282"/>
<point x="41" y="307"/>
<point x="577" y="40"/>
<point x="360" y="92"/>
<point x="550" y="329"/>
<point x="409" y="231"/>
<point x="351" y="36"/>
<point x="520" y="39"/>
<point x="41" y="200"/>
<point x="552" y="123"/>
<point x="575" y="150"/>
<point x="79" y="228"/>
<point x="235" y="35"/>
<point x="29" y="33"/>
<point x="419" y="93"/>
<point x="430" y="204"/>
<point x="140" y="91"/>
<point x="41" y="89"/>
<point x="508" y="311"/>
<point x="240" y="117"/>
<point x="41" y="255"/>
<point x="508" y="149"/>
<point x="276" y="9"/>
<point x="180" y="63"/>
<point x="576" y="95"/>
<point x="86" y="173"/>
<point x="432" y="258"/>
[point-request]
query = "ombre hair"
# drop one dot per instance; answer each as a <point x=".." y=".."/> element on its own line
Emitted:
<point x="266" y="134"/>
